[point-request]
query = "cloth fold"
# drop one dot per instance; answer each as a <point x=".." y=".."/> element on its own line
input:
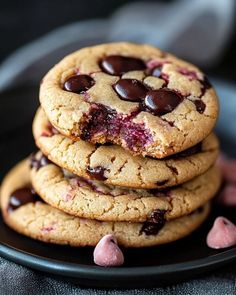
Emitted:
<point x="16" y="279"/>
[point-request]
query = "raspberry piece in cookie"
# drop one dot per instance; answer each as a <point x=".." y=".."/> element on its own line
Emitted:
<point x="116" y="166"/>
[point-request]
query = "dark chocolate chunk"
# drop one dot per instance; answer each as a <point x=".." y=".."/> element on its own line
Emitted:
<point x="130" y="89"/>
<point x="97" y="172"/>
<point x="21" y="197"/>
<point x="155" y="223"/>
<point x="38" y="162"/>
<point x="118" y="65"/>
<point x="162" y="101"/>
<point x="163" y="182"/>
<point x="78" y="83"/>
<point x="200" y="106"/>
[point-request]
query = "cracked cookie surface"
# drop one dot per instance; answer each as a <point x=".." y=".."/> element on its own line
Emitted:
<point x="136" y="96"/>
<point x="116" y="165"/>
<point x="96" y="200"/>
<point x="38" y="220"/>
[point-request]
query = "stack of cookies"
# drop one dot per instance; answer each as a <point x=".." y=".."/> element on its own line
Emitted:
<point x="126" y="148"/>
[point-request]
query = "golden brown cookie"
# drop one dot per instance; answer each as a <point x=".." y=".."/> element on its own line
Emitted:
<point x="96" y="200"/>
<point x="26" y="213"/>
<point x="148" y="101"/>
<point x="116" y="166"/>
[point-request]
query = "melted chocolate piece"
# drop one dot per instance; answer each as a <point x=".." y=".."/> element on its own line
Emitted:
<point x="130" y="89"/>
<point x="155" y="223"/>
<point x="162" y="101"/>
<point x="118" y="65"/>
<point x="200" y="106"/>
<point x="103" y="144"/>
<point x="37" y="163"/>
<point x="21" y="197"/>
<point x="157" y="216"/>
<point x="188" y="152"/>
<point x="205" y="85"/>
<point x="161" y="192"/>
<point x="162" y="182"/>
<point x="97" y="172"/>
<point x="174" y="170"/>
<point x="200" y="210"/>
<point x="78" y="83"/>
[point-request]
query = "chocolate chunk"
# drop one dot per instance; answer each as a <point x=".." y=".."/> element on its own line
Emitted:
<point x="155" y="223"/>
<point x="118" y="65"/>
<point x="200" y="106"/>
<point x="205" y="84"/>
<point x="38" y="162"/>
<point x="197" y="148"/>
<point x="200" y="210"/>
<point x="161" y="192"/>
<point x="21" y="197"/>
<point x="162" y="101"/>
<point x="78" y="83"/>
<point x="130" y="89"/>
<point x="97" y="172"/>
<point x="157" y="216"/>
<point x="163" y="182"/>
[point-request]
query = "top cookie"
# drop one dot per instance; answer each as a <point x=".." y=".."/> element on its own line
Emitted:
<point x="136" y="96"/>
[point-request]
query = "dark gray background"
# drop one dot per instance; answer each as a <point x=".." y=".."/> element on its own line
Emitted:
<point x="25" y="20"/>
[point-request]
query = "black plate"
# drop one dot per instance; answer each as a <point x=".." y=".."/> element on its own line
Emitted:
<point x="143" y="267"/>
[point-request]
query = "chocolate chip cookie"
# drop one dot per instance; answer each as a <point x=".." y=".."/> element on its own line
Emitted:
<point x="96" y="200"/>
<point x="116" y="166"/>
<point x="24" y="211"/>
<point x="136" y="96"/>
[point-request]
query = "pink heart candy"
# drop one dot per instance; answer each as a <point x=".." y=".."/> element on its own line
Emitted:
<point x="228" y="168"/>
<point x="222" y="234"/>
<point x="107" y="252"/>
<point x="228" y="195"/>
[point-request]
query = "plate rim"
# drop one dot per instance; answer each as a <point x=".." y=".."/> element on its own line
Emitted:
<point x="77" y="270"/>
